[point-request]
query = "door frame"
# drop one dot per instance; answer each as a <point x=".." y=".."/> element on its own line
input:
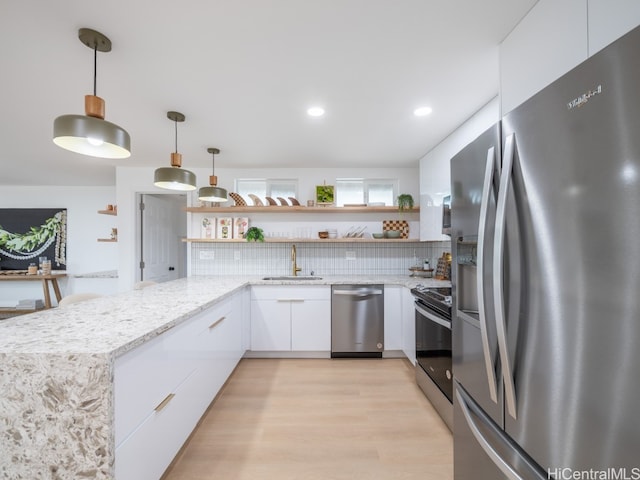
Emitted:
<point x="139" y="234"/>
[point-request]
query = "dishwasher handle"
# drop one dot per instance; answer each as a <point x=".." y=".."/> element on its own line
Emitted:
<point x="359" y="293"/>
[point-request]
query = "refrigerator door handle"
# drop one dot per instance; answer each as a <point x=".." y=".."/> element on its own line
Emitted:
<point x="504" y="467"/>
<point x="498" y="274"/>
<point x="487" y="190"/>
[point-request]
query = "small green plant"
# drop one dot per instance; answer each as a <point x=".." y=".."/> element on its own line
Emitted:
<point x="405" y="202"/>
<point x="254" y="234"/>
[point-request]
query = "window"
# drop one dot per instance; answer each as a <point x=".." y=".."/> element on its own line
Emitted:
<point x="365" y="191"/>
<point x="267" y="187"/>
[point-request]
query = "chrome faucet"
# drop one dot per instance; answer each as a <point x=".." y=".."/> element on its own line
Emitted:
<point x="294" y="267"/>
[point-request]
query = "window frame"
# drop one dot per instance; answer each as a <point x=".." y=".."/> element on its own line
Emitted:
<point x="366" y="184"/>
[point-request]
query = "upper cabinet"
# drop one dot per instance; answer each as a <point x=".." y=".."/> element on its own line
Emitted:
<point x="609" y="20"/>
<point x="549" y="41"/>
<point x="556" y="36"/>
<point x="435" y="172"/>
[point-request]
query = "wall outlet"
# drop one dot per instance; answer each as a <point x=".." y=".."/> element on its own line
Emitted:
<point x="207" y="255"/>
<point x="236" y="254"/>
<point x="350" y="255"/>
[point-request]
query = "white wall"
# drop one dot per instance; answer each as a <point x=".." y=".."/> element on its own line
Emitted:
<point x="435" y="173"/>
<point x="131" y="180"/>
<point x="84" y="226"/>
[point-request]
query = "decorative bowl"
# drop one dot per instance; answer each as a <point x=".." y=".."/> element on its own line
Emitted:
<point x="377" y="235"/>
<point x="393" y="233"/>
<point x="323" y="234"/>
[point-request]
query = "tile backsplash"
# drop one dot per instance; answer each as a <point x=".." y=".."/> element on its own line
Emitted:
<point x="384" y="258"/>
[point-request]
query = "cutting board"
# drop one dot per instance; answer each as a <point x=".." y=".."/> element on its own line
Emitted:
<point x="401" y="225"/>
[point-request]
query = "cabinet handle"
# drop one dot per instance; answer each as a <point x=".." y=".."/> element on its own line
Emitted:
<point x="217" y="322"/>
<point x="290" y="300"/>
<point x="165" y="402"/>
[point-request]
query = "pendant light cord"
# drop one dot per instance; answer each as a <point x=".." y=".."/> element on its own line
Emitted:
<point x="213" y="164"/>
<point x="176" y="124"/>
<point x="95" y="69"/>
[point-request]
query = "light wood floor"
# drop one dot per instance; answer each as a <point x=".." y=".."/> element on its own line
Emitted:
<point x="311" y="419"/>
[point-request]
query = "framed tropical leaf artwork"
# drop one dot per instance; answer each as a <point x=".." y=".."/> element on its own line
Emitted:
<point x="324" y="194"/>
<point x="29" y="233"/>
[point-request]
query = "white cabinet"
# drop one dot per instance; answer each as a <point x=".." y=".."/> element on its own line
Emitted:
<point x="163" y="387"/>
<point x="217" y="347"/>
<point x="549" y="41"/>
<point x="246" y="318"/>
<point x="270" y="325"/>
<point x="311" y="325"/>
<point x="544" y="45"/>
<point x="392" y="317"/>
<point x="609" y="20"/>
<point x="408" y="326"/>
<point x="435" y="170"/>
<point x="290" y="318"/>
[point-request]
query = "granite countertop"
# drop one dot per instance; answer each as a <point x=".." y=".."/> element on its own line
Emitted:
<point x="115" y="324"/>
<point x="102" y="274"/>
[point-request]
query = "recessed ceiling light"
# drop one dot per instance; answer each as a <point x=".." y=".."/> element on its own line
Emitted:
<point x="422" y="111"/>
<point x="315" y="111"/>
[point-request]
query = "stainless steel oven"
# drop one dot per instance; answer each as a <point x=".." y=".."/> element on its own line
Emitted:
<point x="434" y="372"/>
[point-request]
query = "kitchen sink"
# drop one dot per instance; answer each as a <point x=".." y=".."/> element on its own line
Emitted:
<point x="292" y="277"/>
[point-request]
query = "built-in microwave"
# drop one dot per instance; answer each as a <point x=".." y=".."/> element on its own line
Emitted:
<point x="446" y="215"/>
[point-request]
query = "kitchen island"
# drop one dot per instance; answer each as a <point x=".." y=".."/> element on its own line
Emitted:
<point x="57" y="397"/>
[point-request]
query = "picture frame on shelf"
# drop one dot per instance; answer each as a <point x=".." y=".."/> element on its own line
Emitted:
<point x="325" y="195"/>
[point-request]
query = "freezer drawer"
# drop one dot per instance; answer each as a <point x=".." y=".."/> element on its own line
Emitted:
<point x="481" y="446"/>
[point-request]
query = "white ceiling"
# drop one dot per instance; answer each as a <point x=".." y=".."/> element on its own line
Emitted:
<point x="244" y="72"/>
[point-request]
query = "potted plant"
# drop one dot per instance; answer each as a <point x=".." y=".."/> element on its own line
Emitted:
<point x="405" y="202"/>
<point x="254" y="234"/>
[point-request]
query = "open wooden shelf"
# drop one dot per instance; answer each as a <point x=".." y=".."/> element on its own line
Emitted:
<point x="113" y="240"/>
<point x="108" y="212"/>
<point x="299" y="209"/>
<point x="306" y="240"/>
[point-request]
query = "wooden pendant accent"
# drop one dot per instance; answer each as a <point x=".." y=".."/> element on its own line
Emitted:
<point x="94" y="106"/>
<point x="176" y="159"/>
<point x="213" y="180"/>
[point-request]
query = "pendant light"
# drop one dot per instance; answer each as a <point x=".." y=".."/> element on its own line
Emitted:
<point x="212" y="193"/>
<point x="174" y="177"/>
<point x="91" y="134"/>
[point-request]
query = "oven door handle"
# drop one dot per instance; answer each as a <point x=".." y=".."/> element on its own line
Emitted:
<point x="432" y="317"/>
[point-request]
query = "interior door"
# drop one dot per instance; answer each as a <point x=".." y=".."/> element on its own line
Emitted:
<point x="162" y="227"/>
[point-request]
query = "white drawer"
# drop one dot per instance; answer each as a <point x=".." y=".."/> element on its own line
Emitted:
<point x="144" y="376"/>
<point x="149" y="450"/>
<point x="291" y="293"/>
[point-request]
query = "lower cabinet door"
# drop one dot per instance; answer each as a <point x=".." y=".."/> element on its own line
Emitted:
<point x="311" y="325"/>
<point x="221" y="347"/>
<point x="149" y="450"/>
<point x="270" y="325"/>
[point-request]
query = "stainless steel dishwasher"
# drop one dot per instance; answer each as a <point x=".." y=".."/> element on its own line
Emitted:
<point x="357" y="320"/>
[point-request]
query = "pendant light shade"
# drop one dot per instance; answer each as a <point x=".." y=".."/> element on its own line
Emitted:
<point x="175" y="177"/>
<point x="213" y="193"/>
<point x="91" y="134"/>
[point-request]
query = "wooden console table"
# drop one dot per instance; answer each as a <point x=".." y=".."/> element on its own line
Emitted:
<point x="21" y="276"/>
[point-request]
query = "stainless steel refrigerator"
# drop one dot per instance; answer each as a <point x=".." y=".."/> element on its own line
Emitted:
<point x="546" y="281"/>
